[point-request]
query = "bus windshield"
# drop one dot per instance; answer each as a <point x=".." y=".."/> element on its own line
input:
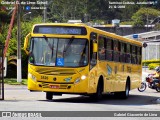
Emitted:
<point x="64" y="52"/>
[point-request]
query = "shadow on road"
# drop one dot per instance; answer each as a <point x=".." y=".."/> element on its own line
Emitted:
<point x="133" y="100"/>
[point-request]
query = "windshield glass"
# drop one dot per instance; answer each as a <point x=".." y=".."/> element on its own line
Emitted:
<point x="59" y="52"/>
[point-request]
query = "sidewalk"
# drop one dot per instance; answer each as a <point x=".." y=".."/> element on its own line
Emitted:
<point x="146" y="70"/>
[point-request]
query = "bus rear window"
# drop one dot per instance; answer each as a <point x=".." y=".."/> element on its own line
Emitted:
<point x="66" y="30"/>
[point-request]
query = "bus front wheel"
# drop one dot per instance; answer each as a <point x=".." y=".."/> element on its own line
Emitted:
<point x="98" y="95"/>
<point x="49" y="95"/>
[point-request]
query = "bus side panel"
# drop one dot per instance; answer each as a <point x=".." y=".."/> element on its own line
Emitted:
<point x="136" y="76"/>
<point x="106" y="70"/>
<point x="92" y="82"/>
<point x="120" y="77"/>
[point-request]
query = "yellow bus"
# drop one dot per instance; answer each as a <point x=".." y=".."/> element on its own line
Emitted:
<point x="78" y="59"/>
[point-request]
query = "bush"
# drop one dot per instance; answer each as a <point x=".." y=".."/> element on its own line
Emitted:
<point x="153" y="66"/>
<point x="147" y="62"/>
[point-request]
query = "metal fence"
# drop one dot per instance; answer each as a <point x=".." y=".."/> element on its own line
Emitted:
<point x="1" y="74"/>
<point x="152" y="51"/>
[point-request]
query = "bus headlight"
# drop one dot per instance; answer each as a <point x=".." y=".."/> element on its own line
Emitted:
<point x="31" y="76"/>
<point x="83" y="77"/>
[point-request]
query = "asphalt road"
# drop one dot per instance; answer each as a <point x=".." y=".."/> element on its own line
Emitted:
<point x="19" y="98"/>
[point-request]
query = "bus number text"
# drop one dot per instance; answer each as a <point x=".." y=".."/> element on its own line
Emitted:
<point x="44" y="77"/>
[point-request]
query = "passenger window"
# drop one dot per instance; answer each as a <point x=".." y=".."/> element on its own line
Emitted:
<point x="122" y="52"/>
<point x="128" y="54"/>
<point x="109" y="49"/>
<point x="134" y="56"/>
<point x="116" y="52"/>
<point x="101" y="50"/>
<point x="139" y="53"/>
<point x="93" y="56"/>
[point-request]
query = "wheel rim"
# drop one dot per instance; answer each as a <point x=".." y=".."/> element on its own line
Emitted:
<point x="143" y="87"/>
<point x="127" y="90"/>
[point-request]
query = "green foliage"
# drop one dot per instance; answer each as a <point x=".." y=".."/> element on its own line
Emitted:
<point x="147" y="62"/>
<point x="153" y="65"/>
<point x="14" y="81"/>
<point x="12" y="49"/>
<point x="3" y="33"/>
<point x="64" y="10"/>
<point x="144" y="15"/>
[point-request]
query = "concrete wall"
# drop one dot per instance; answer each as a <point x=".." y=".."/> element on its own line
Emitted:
<point x="125" y="30"/>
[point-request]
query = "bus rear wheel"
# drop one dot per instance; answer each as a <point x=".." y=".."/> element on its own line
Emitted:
<point x="123" y="94"/>
<point x="49" y="95"/>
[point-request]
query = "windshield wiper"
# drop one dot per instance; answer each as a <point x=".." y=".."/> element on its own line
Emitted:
<point x="46" y="39"/>
<point x="68" y="45"/>
<point x="50" y="46"/>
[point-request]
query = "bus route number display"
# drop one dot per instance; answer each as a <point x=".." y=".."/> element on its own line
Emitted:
<point x="60" y="30"/>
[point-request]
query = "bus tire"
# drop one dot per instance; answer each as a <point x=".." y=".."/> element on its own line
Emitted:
<point x="98" y="95"/>
<point x="124" y="94"/>
<point x="49" y="95"/>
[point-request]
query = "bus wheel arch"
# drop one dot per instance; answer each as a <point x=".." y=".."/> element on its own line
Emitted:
<point x="101" y="83"/>
<point x="124" y="94"/>
<point x="100" y="87"/>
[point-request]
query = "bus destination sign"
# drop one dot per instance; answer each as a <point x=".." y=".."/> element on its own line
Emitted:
<point x="66" y="30"/>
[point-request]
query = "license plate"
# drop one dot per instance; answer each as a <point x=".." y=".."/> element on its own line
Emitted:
<point x="54" y="86"/>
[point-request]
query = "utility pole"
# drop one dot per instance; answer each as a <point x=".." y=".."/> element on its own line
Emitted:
<point x="45" y="13"/>
<point x="19" y="68"/>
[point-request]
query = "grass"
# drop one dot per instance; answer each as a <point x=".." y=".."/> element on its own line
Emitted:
<point x="13" y="81"/>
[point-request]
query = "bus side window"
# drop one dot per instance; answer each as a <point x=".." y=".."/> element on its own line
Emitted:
<point x="101" y="48"/>
<point x="93" y="56"/>
<point x="128" y="53"/>
<point x="116" y="49"/>
<point x="139" y="53"/>
<point x="134" y="57"/>
<point x="122" y="52"/>
<point x="109" y="49"/>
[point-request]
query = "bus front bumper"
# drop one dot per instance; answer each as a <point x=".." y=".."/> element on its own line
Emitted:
<point x="81" y="87"/>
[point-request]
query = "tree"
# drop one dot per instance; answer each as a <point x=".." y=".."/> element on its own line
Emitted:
<point x="144" y="15"/>
<point x="63" y="10"/>
<point x="12" y="50"/>
<point x="4" y="17"/>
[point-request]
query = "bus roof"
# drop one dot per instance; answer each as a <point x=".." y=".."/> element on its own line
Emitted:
<point x="92" y="29"/>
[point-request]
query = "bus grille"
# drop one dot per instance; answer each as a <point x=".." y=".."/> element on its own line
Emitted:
<point x="56" y="71"/>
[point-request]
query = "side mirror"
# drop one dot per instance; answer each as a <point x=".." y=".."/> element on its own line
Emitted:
<point x="26" y="43"/>
<point x="95" y="47"/>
